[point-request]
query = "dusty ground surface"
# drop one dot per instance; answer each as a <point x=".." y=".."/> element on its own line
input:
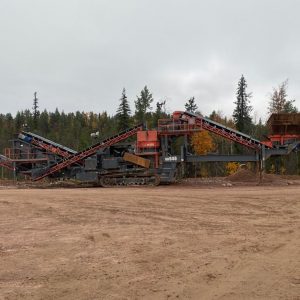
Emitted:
<point x="175" y="242"/>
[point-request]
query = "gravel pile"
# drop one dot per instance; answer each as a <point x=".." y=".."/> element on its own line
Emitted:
<point x="243" y="176"/>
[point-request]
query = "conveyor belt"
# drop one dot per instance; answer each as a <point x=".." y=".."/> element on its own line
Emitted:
<point x="219" y="129"/>
<point x="89" y="151"/>
<point x="6" y="162"/>
<point x="46" y="144"/>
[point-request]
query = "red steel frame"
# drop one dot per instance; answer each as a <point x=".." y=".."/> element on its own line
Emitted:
<point x="51" y="148"/>
<point x="228" y="135"/>
<point x="7" y="164"/>
<point x="223" y="131"/>
<point x="187" y="123"/>
<point x="171" y="127"/>
<point x="281" y="139"/>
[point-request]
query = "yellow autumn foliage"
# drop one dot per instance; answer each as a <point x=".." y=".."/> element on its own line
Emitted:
<point x="202" y="142"/>
<point x="232" y="167"/>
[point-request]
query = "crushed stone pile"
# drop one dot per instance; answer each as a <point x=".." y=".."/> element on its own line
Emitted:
<point x="243" y="175"/>
<point x="247" y="176"/>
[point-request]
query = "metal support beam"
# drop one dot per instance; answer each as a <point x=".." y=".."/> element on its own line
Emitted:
<point x="222" y="158"/>
<point x="213" y="158"/>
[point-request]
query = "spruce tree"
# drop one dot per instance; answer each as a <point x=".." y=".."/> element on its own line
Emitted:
<point x="143" y="105"/>
<point x="123" y="113"/>
<point x="191" y="106"/>
<point x="241" y="113"/>
<point x="35" y="111"/>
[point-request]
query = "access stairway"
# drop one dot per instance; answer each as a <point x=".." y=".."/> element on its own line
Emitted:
<point x="79" y="156"/>
<point x="219" y="129"/>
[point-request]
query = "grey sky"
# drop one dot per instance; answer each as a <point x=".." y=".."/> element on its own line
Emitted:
<point x="79" y="54"/>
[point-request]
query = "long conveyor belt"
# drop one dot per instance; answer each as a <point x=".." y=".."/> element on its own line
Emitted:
<point x="219" y="129"/>
<point x="77" y="157"/>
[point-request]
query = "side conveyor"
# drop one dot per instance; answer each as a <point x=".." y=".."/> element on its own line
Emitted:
<point x="6" y="162"/>
<point x="46" y="144"/>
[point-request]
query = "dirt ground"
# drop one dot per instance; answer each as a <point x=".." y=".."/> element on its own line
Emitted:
<point x="169" y="242"/>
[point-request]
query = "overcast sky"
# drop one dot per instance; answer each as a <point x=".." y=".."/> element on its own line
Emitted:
<point x="79" y="54"/>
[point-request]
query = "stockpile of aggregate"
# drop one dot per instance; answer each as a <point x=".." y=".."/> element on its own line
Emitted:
<point x="243" y="175"/>
<point x="247" y="176"/>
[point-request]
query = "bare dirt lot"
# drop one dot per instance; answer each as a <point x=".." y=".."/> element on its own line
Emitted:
<point x="173" y="242"/>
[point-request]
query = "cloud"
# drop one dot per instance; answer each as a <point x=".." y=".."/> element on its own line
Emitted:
<point x="80" y="54"/>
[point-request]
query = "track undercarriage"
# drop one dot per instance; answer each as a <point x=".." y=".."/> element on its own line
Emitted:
<point x="112" y="180"/>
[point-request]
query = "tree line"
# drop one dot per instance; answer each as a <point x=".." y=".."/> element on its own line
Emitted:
<point x="74" y="129"/>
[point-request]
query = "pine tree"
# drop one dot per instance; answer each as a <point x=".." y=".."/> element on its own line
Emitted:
<point x="278" y="101"/>
<point x="191" y="106"/>
<point x="241" y="113"/>
<point x="43" y="123"/>
<point x="260" y="130"/>
<point x="143" y="105"/>
<point x="35" y="111"/>
<point x="123" y="113"/>
<point x="28" y="119"/>
<point x="289" y="107"/>
<point x="19" y="121"/>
